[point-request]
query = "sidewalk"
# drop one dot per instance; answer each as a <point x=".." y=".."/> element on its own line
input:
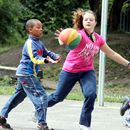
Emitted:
<point x="65" y="116"/>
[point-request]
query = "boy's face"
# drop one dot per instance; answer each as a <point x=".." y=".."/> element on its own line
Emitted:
<point x="36" y="30"/>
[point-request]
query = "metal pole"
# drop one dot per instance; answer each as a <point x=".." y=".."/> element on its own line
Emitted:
<point x="102" y="55"/>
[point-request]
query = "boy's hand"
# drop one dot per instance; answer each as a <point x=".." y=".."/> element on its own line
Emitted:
<point x="52" y="61"/>
<point x="58" y="59"/>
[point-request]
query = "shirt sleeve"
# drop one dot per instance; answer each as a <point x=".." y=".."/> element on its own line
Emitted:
<point x="35" y="58"/>
<point x="102" y="41"/>
<point x="51" y="54"/>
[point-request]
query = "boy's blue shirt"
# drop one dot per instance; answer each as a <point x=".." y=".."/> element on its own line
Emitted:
<point x="33" y="54"/>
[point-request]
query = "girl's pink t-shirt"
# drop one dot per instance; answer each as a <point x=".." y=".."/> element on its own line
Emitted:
<point x="81" y="58"/>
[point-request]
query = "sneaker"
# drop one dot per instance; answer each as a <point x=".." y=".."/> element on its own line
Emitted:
<point x="83" y="127"/>
<point x="126" y="122"/>
<point x="125" y="106"/>
<point x="43" y="127"/>
<point x="4" y="124"/>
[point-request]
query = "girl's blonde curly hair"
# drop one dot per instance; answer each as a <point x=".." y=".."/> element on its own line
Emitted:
<point x="78" y="18"/>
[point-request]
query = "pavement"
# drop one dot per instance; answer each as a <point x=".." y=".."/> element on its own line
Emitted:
<point x="65" y="116"/>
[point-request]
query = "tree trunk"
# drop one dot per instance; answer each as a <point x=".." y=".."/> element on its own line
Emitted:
<point x="114" y="16"/>
<point x="94" y="5"/>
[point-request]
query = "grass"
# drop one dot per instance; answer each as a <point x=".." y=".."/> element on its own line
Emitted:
<point x="111" y="93"/>
<point x="73" y="95"/>
<point x="4" y="49"/>
<point x="6" y="90"/>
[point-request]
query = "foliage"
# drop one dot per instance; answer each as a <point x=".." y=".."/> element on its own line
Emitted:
<point x="126" y="6"/>
<point x="54" y="13"/>
<point x="6" y="87"/>
<point x="12" y="15"/>
<point x="9" y="15"/>
<point x="5" y="81"/>
<point x="6" y="90"/>
<point x="4" y="49"/>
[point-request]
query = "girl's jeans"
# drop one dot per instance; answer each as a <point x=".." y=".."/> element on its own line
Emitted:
<point x="87" y="82"/>
<point x="28" y="86"/>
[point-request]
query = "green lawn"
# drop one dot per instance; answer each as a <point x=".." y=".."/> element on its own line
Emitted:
<point x="75" y="94"/>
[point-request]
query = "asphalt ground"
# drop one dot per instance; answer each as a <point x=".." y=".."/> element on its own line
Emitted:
<point x="65" y="116"/>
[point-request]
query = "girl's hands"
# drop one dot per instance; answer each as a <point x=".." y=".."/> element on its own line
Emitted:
<point x="58" y="59"/>
<point x="57" y="33"/>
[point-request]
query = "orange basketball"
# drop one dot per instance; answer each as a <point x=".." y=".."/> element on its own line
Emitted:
<point x="69" y="37"/>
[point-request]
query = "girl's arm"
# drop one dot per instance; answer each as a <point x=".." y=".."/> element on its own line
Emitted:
<point x="114" y="55"/>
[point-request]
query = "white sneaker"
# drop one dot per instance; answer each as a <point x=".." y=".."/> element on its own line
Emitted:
<point x="126" y="122"/>
<point x="83" y="127"/>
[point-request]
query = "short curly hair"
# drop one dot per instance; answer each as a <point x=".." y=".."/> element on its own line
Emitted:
<point x="30" y="23"/>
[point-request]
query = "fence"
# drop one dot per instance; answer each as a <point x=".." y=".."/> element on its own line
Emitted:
<point x="125" y="20"/>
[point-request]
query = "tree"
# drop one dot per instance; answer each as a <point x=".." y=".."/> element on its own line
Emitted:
<point x="9" y="17"/>
<point x="114" y="16"/>
<point x="54" y="13"/>
<point x="95" y="6"/>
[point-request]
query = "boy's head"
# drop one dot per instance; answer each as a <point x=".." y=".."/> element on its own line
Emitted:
<point x="34" y="27"/>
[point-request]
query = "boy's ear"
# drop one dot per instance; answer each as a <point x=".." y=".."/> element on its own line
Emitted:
<point x="29" y="30"/>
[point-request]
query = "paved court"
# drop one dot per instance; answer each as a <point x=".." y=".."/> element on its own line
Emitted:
<point x="65" y="116"/>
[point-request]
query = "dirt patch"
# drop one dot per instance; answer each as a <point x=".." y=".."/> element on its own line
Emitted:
<point x="11" y="58"/>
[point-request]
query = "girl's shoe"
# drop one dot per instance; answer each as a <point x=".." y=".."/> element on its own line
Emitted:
<point x="126" y="122"/>
<point x="83" y="127"/>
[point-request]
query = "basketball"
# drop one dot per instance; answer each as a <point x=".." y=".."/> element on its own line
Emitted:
<point x="70" y="38"/>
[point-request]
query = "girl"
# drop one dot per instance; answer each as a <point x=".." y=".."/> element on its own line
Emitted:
<point x="79" y="65"/>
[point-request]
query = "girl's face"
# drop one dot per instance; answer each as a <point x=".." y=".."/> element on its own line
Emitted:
<point x="89" y="22"/>
<point x="36" y="30"/>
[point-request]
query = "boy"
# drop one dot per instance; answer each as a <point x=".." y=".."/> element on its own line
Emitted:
<point x="34" y="53"/>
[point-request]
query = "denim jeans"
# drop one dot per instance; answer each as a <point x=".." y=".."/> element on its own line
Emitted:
<point x="28" y="86"/>
<point x="87" y="81"/>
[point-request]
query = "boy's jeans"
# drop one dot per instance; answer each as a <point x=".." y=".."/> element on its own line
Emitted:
<point x="87" y="82"/>
<point x="31" y="87"/>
